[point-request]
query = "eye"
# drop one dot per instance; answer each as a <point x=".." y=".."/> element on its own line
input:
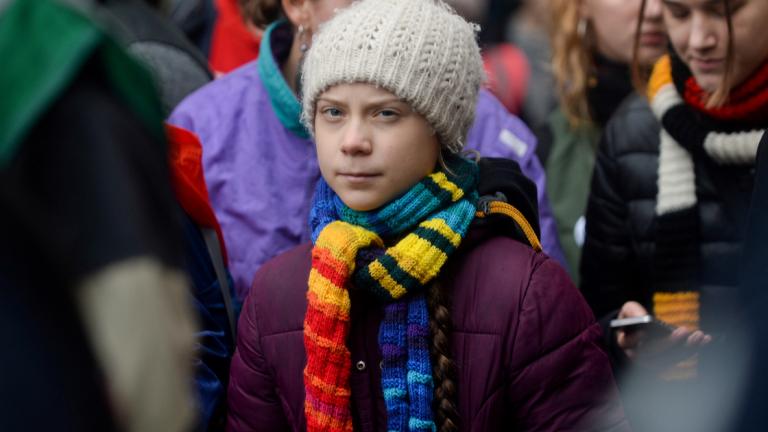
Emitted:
<point x="719" y="9"/>
<point x="676" y="10"/>
<point x="331" y="113"/>
<point x="388" y="114"/>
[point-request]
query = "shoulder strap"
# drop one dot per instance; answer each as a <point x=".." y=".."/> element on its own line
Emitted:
<point x="489" y="207"/>
<point x="214" y="250"/>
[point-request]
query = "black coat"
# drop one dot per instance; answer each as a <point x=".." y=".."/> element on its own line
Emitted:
<point x="755" y="299"/>
<point x="617" y="262"/>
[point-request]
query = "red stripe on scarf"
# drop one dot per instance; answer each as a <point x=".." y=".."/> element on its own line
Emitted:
<point x="748" y="101"/>
<point x="330" y="267"/>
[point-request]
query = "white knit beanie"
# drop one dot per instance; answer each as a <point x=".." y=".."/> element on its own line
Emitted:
<point x="419" y="50"/>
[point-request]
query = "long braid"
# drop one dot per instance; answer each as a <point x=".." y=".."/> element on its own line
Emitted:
<point x="443" y="369"/>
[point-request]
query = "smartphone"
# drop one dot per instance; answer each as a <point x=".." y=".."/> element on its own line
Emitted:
<point x="648" y="323"/>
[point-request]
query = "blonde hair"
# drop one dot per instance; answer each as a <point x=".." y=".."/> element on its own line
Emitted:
<point x="571" y="61"/>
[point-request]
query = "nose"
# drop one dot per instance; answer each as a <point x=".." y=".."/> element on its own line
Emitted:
<point x="703" y="35"/>
<point x="653" y="10"/>
<point x="356" y="140"/>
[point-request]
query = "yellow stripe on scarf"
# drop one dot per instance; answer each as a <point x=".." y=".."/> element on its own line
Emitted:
<point x="441" y="226"/>
<point x="661" y="76"/>
<point x="441" y="180"/>
<point x="328" y="293"/>
<point x="415" y="249"/>
<point x="411" y="255"/>
<point x="678" y="309"/>
<point x="379" y="273"/>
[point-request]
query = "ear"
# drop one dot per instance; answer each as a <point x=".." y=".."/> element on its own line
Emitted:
<point x="297" y="11"/>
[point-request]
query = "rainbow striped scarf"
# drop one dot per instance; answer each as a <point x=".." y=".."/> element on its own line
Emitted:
<point x="435" y="213"/>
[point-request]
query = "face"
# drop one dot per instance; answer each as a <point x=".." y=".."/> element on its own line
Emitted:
<point x="615" y="22"/>
<point x="371" y="146"/>
<point x="698" y="30"/>
<point x="321" y="11"/>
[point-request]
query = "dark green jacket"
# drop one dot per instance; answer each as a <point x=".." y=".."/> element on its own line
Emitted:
<point x="568" y="165"/>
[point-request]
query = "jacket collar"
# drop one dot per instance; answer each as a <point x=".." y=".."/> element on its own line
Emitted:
<point x="284" y="102"/>
<point x="502" y="180"/>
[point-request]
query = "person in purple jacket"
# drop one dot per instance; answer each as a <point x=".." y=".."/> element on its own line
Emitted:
<point x="423" y="302"/>
<point x="259" y="161"/>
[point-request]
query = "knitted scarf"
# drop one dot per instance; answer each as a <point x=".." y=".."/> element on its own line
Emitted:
<point x="689" y="133"/>
<point x="430" y="221"/>
<point x="747" y="102"/>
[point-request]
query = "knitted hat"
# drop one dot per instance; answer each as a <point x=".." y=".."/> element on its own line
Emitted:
<point x="419" y="50"/>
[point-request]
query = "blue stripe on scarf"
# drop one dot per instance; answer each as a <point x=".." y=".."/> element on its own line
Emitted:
<point x="393" y="340"/>
<point x="419" y="376"/>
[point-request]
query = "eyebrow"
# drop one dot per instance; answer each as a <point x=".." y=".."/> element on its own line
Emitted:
<point x="706" y="3"/>
<point x="374" y="103"/>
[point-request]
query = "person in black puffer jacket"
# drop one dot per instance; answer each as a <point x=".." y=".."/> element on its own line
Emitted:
<point x="673" y="250"/>
<point x="667" y="214"/>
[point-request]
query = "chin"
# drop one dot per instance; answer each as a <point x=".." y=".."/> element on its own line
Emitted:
<point x="361" y="205"/>
<point x="708" y="85"/>
<point x="649" y="55"/>
<point x="709" y="82"/>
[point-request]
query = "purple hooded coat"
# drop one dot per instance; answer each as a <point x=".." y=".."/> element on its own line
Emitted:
<point x="261" y="167"/>
<point x="525" y="343"/>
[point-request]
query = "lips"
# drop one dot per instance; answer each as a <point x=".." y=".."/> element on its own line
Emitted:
<point x="357" y="177"/>
<point x="357" y="174"/>
<point x="654" y="38"/>
<point x="706" y="65"/>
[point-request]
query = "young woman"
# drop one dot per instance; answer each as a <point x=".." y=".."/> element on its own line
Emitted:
<point x="411" y="310"/>
<point x="259" y="161"/>
<point x="672" y="183"/>
<point x="592" y="45"/>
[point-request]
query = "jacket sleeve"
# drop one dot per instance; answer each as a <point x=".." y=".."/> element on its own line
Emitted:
<point x="497" y="133"/>
<point x="560" y="377"/>
<point x="214" y="339"/>
<point x="607" y="258"/>
<point x="254" y="404"/>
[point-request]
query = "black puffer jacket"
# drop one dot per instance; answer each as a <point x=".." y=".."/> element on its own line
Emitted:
<point x="617" y="261"/>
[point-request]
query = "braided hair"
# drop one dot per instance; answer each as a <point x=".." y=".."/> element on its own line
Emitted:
<point x="444" y="371"/>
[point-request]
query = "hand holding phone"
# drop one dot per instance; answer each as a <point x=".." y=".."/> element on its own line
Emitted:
<point x="649" y="340"/>
<point x="650" y="325"/>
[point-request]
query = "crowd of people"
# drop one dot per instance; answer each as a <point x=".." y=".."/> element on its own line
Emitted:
<point x="401" y="215"/>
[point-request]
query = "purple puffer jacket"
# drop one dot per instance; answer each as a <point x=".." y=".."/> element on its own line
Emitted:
<point x="261" y="167"/>
<point x="525" y="343"/>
